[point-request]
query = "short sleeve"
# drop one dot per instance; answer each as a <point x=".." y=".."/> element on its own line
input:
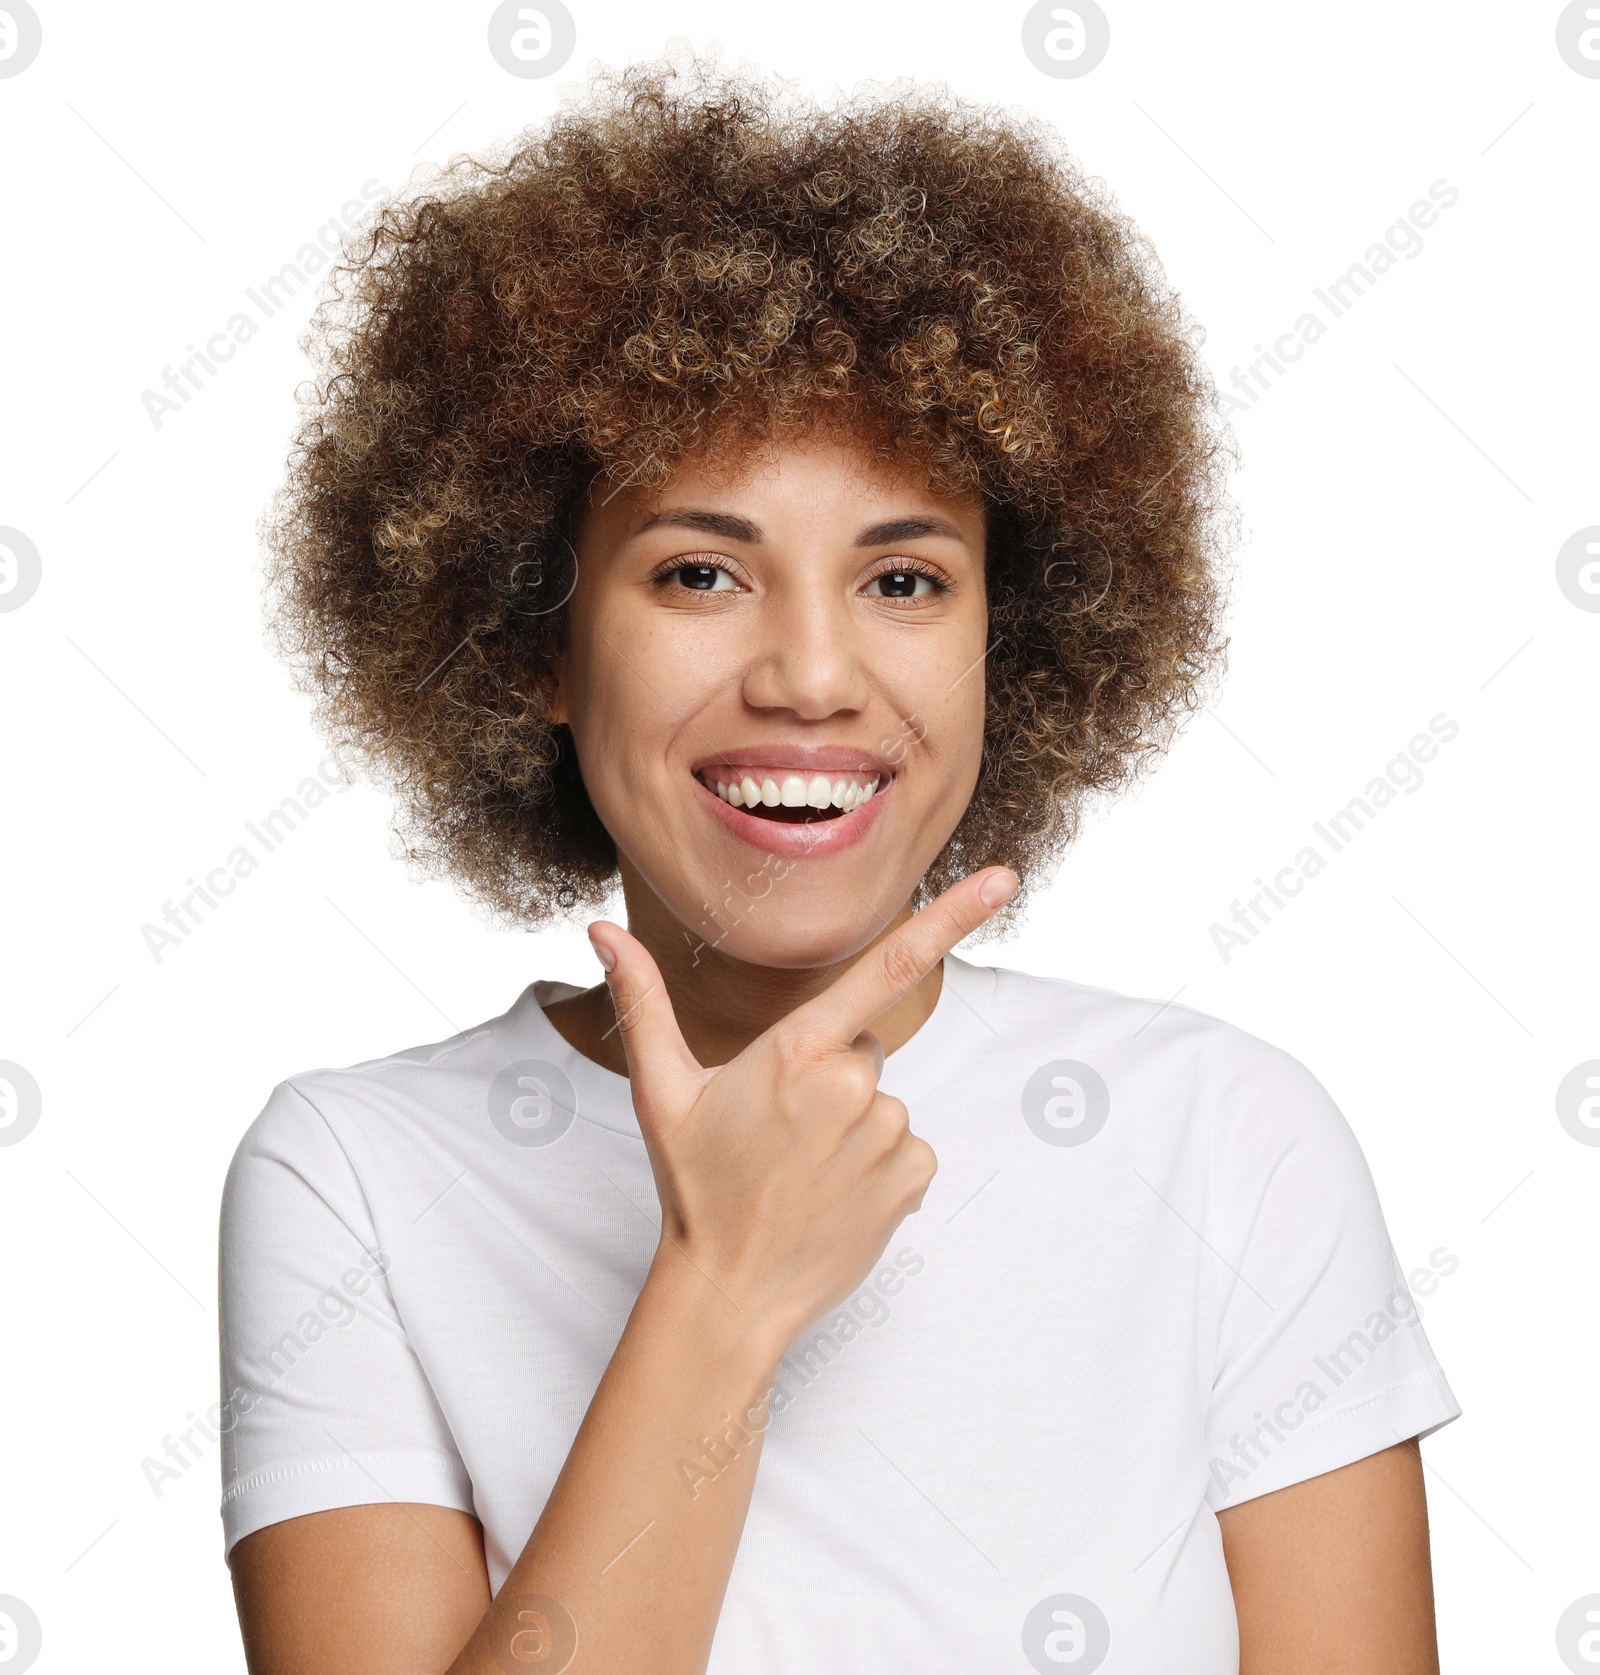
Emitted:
<point x="324" y="1403"/>
<point x="1321" y="1357"/>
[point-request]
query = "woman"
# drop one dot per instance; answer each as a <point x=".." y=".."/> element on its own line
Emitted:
<point x="793" y="516"/>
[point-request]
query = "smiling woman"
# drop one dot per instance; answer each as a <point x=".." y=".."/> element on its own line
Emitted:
<point x="719" y="488"/>
<point x="746" y="646"/>
<point x="677" y="267"/>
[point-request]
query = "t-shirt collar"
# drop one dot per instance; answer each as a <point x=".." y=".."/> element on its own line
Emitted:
<point x="959" y="1023"/>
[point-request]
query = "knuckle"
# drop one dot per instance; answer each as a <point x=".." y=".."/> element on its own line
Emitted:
<point x="901" y="964"/>
<point x="891" y="1117"/>
<point x="922" y="1165"/>
<point x="798" y="1051"/>
<point x="625" y="1003"/>
<point x="856" y="1082"/>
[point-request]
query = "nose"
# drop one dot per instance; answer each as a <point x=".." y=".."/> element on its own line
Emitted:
<point x="806" y="659"/>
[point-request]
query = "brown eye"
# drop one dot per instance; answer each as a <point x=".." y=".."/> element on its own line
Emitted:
<point x="702" y="578"/>
<point x="901" y="584"/>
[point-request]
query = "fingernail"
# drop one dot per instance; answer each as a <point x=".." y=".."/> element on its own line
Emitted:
<point x="603" y="954"/>
<point x="998" y="888"/>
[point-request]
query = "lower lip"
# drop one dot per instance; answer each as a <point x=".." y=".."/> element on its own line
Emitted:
<point x="818" y="837"/>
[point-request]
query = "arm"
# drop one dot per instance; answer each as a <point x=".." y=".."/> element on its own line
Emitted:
<point x="401" y="1590"/>
<point x="1332" y="1574"/>
<point x="363" y="1588"/>
<point x="782" y="1175"/>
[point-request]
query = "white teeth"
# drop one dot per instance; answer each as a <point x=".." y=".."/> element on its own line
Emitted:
<point x="795" y="791"/>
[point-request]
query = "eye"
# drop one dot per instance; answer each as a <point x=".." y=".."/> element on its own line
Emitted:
<point x="698" y="578"/>
<point x="903" y="581"/>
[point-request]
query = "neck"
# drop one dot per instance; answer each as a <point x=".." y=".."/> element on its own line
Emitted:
<point x="722" y="1004"/>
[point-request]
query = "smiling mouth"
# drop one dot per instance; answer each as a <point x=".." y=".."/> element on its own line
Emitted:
<point x="789" y="798"/>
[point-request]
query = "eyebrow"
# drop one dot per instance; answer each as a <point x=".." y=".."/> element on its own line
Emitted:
<point x="734" y="528"/>
<point x="906" y="529"/>
<point x="713" y="523"/>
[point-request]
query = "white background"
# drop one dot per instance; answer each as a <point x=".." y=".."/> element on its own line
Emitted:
<point x="1406" y="489"/>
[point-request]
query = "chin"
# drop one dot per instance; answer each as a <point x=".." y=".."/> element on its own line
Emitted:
<point x="788" y="942"/>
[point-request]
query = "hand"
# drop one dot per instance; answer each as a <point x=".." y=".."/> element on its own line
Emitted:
<point x="783" y="1173"/>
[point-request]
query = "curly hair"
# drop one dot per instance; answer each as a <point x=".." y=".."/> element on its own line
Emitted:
<point x="677" y="248"/>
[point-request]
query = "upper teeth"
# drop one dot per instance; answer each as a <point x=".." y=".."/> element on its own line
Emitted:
<point x="844" y="791"/>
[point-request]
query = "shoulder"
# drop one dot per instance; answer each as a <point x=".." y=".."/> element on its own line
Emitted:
<point x="1025" y="1004"/>
<point x="322" y="1113"/>
<point x="1247" y="1089"/>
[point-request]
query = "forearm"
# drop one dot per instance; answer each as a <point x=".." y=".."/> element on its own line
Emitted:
<point x="632" y="1553"/>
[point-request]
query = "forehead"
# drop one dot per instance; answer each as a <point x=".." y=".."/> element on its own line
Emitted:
<point x="836" y="476"/>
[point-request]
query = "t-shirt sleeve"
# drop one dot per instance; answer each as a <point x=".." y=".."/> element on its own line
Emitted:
<point x="324" y="1403"/>
<point x="1321" y="1358"/>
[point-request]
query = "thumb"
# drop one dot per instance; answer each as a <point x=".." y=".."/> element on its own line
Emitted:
<point x="660" y="1065"/>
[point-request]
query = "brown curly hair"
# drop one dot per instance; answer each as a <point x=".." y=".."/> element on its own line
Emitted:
<point x="680" y="247"/>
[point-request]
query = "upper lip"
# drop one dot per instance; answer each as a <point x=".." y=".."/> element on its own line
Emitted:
<point x="802" y="758"/>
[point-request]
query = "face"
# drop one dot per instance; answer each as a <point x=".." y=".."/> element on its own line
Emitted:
<point x="775" y="687"/>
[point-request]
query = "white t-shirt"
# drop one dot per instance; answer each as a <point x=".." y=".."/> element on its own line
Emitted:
<point x="1150" y="1280"/>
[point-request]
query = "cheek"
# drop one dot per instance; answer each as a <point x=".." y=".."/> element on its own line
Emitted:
<point x="963" y="734"/>
<point x="634" y="690"/>
<point x="942" y="703"/>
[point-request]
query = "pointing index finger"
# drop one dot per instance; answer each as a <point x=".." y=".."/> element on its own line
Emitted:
<point x="891" y="969"/>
